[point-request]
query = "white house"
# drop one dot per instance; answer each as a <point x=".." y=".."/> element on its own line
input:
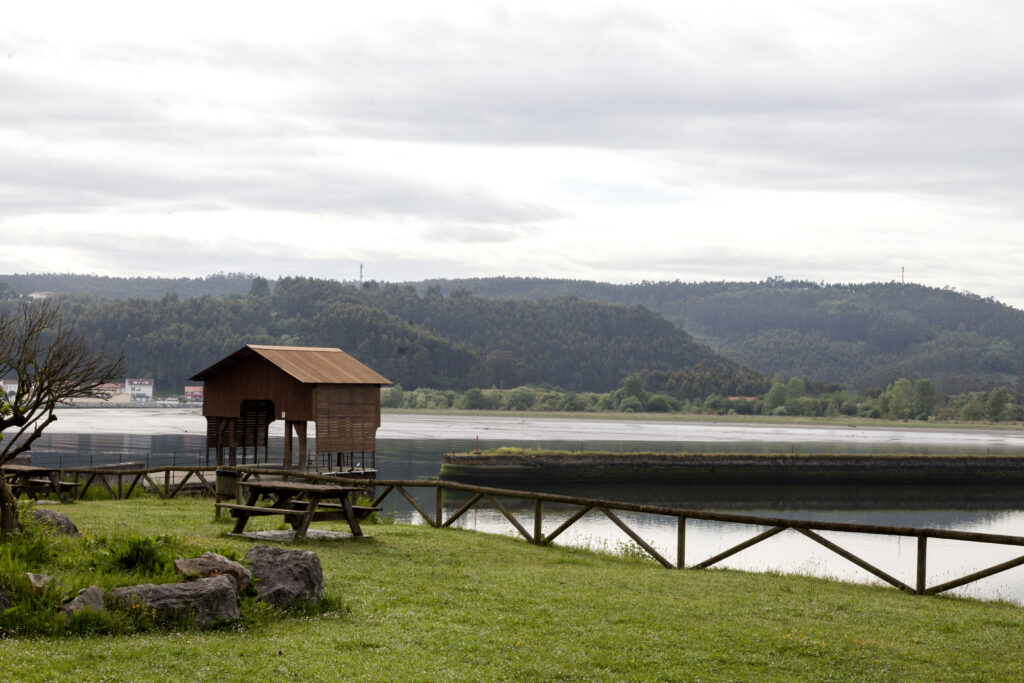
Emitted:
<point x="8" y="387"/>
<point x="139" y="390"/>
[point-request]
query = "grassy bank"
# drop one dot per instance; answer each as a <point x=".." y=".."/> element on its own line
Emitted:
<point x="510" y="464"/>
<point x="423" y="604"/>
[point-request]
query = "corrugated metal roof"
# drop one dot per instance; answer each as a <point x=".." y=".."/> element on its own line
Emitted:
<point x="309" y="365"/>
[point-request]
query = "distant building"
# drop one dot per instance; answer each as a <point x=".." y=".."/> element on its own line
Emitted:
<point x="40" y="295"/>
<point x="112" y="393"/>
<point x="193" y="393"/>
<point x="139" y="390"/>
<point x="109" y="390"/>
<point x="9" y="387"/>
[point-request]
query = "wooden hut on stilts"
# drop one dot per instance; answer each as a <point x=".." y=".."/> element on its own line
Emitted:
<point x="246" y="391"/>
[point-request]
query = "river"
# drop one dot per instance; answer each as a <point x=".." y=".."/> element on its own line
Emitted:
<point x="410" y="447"/>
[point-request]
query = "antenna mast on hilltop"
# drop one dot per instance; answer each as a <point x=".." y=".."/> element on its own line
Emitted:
<point x="360" y="273"/>
<point x="903" y="272"/>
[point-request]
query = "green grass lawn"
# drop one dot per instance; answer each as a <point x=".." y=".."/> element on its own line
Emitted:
<point x="416" y="603"/>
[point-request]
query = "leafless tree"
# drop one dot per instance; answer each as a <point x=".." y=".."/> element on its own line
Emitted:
<point x="53" y="364"/>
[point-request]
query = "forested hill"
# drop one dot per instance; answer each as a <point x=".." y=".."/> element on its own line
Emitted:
<point x="456" y="341"/>
<point x="127" y="287"/>
<point x="864" y="335"/>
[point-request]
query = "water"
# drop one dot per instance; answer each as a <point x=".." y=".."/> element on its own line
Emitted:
<point x="410" y="447"/>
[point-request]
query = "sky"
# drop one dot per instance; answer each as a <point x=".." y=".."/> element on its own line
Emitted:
<point x="827" y="141"/>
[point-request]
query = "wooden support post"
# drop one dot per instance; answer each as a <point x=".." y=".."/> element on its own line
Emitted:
<point x="103" y="480"/>
<point x="636" y="537"/>
<point x="438" y="507"/>
<point x="156" y="487"/>
<point x="680" y="542"/>
<point x="538" y="521"/>
<point x="132" y="486"/>
<point x="922" y="564"/>
<point x="853" y="558"/>
<point x="88" y="482"/>
<point x="167" y="482"/>
<point x="120" y="489"/>
<point x="232" y="450"/>
<point x="415" y="504"/>
<point x="300" y="460"/>
<point x="741" y="546"/>
<point x="222" y="425"/>
<point x="383" y="494"/>
<point x="510" y="517"/>
<point x="984" y="573"/>
<point x="205" y="483"/>
<point x="568" y="523"/>
<point x="287" y="444"/>
<point x="458" y="513"/>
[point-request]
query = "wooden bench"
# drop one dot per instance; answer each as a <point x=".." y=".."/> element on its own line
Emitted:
<point x="362" y="511"/>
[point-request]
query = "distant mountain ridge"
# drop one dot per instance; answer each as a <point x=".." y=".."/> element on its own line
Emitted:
<point x="864" y="335"/>
<point x="861" y="335"/>
<point x="419" y="340"/>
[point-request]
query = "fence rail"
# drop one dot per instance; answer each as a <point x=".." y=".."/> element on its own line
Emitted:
<point x="776" y="525"/>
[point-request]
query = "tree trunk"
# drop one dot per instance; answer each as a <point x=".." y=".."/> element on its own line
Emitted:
<point x="8" y="509"/>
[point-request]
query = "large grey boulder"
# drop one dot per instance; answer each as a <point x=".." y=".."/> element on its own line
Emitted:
<point x="284" y="576"/>
<point x="91" y="597"/>
<point x="212" y="564"/>
<point x="57" y="521"/>
<point x="205" y="601"/>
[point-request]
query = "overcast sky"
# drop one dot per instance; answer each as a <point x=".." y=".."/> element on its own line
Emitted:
<point x="836" y="141"/>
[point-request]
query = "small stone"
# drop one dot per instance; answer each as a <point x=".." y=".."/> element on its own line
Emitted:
<point x="37" y="583"/>
<point x="6" y="600"/>
<point x="91" y="597"/>
<point x="57" y="521"/>
<point x="212" y="564"/>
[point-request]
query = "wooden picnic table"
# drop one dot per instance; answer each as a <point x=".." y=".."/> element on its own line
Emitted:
<point x="301" y="503"/>
<point x="32" y="481"/>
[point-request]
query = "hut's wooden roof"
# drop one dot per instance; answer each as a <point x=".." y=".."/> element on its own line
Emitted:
<point x="309" y="365"/>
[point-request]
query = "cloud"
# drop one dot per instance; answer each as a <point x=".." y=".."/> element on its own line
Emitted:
<point x="569" y="139"/>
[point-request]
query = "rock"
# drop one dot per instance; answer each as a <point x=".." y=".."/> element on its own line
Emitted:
<point x="284" y="576"/>
<point x="212" y="564"/>
<point x="91" y="597"/>
<point x="6" y="600"/>
<point x="57" y="521"/>
<point x="37" y="583"/>
<point x="206" y="601"/>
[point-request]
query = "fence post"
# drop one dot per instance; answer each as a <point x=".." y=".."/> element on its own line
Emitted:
<point x="922" y="564"/>
<point x="681" y="542"/>
<point x="538" y="519"/>
<point x="438" y="508"/>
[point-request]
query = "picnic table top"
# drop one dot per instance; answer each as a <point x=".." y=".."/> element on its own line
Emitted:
<point x="299" y="487"/>
<point x="28" y="469"/>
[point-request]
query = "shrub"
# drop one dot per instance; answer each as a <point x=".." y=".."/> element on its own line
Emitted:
<point x="631" y="404"/>
<point x="140" y="555"/>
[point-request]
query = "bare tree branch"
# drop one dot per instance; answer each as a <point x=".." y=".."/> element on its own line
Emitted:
<point x="53" y="364"/>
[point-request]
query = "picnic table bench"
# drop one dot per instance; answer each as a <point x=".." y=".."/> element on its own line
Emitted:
<point x="300" y="503"/>
<point x="33" y="481"/>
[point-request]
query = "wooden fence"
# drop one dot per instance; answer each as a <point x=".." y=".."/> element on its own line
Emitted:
<point x="809" y="528"/>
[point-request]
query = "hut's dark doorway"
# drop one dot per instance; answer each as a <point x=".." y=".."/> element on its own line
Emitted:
<point x="248" y="431"/>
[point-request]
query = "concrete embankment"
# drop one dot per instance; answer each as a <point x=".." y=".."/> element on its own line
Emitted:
<point x="732" y="468"/>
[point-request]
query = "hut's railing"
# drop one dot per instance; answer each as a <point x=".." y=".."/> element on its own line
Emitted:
<point x="776" y="525"/>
